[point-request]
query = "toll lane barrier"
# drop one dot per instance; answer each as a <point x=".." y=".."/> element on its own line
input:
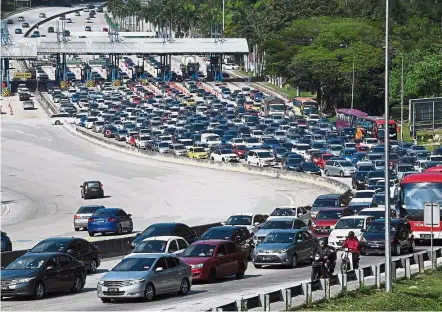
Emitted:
<point x="301" y="294"/>
<point x="108" y="247"/>
<point x="236" y="167"/>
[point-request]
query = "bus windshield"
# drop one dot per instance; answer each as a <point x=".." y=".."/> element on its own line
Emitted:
<point x="415" y="195"/>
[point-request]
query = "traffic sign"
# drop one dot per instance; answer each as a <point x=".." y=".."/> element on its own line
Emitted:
<point x="431" y="214"/>
<point x="22" y="75"/>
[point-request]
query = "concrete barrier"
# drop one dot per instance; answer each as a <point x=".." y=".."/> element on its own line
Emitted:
<point x="49" y="19"/>
<point x="302" y="294"/>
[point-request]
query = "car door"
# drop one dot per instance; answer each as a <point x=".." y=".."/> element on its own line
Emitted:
<point x="402" y="236"/>
<point x="66" y="271"/>
<point x="301" y="246"/>
<point x="123" y="219"/>
<point x="221" y="254"/>
<point x="161" y="279"/>
<point x="182" y="244"/>
<point x="52" y="276"/>
<point x="172" y="246"/>
<point x="309" y="243"/>
<point x="84" y="253"/>
<point x="232" y="263"/>
<point x="175" y="274"/>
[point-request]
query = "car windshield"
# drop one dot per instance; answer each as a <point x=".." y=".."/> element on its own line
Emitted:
<point x="279" y="238"/>
<point x="199" y="150"/>
<point x="325" y="203"/>
<point x="88" y="209"/>
<point x="346" y="164"/>
<point x="199" y="250"/>
<point x="366" y="168"/>
<point x="309" y="166"/>
<point x="350" y="224"/>
<point x="379" y="199"/>
<point x="158" y="230"/>
<point x="364" y="195"/>
<point x="265" y="155"/>
<point x="151" y="246"/>
<point x="378" y="228"/>
<point x="225" y="151"/>
<point x="26" y="263"/>
<point x="93" y="184"/>
<point x="104" y="213"/>
<point x="378" y="214"/>
<point x="329" y="214"/>
<point x="283" y="212"/>
<point x="134" y="264"/>
<point x="239" y="220"/>
<point x="303" y="147"/>
<point x="219" y="233"/>
<point x="271" y="141"/>
<point x="278" y="224"/>
<point x="405" y="168"/>
<point x="51" y="246"/>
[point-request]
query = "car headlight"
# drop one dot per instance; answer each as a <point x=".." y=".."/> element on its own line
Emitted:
<point x="101" y="282"/>
<point x="363" y="240"/>
<point x="137" y="281"/>
<point x="313" y="223"/>
<point x="197" y="266"/>
<point x="255" y="238"/>
<point x="283" y="251"/>
<point x="21" y="280"/>
<point x="332" y="227"/>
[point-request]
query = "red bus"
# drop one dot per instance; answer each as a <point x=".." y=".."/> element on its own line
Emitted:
<point x="416" y="190"/>
<point x="375" y="127"/>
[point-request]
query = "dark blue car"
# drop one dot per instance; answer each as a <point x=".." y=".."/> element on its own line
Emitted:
<point x="110" y="220"/>
<point x="6" y="242"/>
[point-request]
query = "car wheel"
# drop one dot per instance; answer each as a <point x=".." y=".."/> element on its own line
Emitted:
<point x="294" y="261"/>
<point x="326" y="173"/>
<point x="241" y="271"/>
<point x="184" y="287"/>
<point x="39" y="290"/>
<point x="93" y="266"/>
<point x="120" y="229"/>
<point x="82" y="196"/>
<point x="341" y="174"/>
<point x="57" y="122"/>
<point x="77" y="285"/>
<point x="397" y="249"/>
<point x="212" y="276"/>
<point x="131" y="228"/>
<point x="149" y="292"/>
<point x="223" y="160"/>
<point x="413" y="246"/>
<point x="106" y="300"/>
<point x="91" y="234"/>
<point x="257" y="266"/>
<point x="8" y="247"/>
<point x="77" y="229"/>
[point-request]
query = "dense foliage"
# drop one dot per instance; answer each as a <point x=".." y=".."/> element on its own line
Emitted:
<point x="314" y="43"/>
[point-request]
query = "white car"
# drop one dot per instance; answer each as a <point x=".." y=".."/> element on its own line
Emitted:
<point x="236" y="141"/>
<point x="301" y="149"/>
<point x="142" y="140"/>
<point x="347" y="224"/>
<point x="370" y="142"/>
<point x="364" y="196"/>
<point x="230" y="66"/>
<point x="59" y="119"/>
<point x="300" y="212"/>
<point x="378" y="213"/>
<point x="224" y="155"/>
<point x="90" y="122"/>
<point x="248" y="219"/>
<point x="261" y="158"/>
<point x="313" y="117"/>
<point x="160" y="244"/>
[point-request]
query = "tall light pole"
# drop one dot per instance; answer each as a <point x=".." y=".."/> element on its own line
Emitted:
<point x="388" y="277"/>
<point x="402" y="96"/>
<point x="353" y="84"/>
<point x="224" y="16"/>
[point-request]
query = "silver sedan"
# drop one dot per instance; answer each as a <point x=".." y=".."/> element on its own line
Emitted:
<point x="145" y="276"/>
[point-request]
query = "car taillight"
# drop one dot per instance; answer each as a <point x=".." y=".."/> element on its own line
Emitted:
<point x="90" y="220"/>
<point x="111" y="219"/>
<point x="77" y="217"/>
<point x="101" y="185"/>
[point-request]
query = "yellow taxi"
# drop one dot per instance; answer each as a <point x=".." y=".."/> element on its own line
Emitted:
<point x="257" y="106"/>
<point x="198" y="153"/>
<point x="190" y="101"/>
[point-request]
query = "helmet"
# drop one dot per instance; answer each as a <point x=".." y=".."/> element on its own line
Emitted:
<point x="351" y="234"/>
<point x="322" y="243"/>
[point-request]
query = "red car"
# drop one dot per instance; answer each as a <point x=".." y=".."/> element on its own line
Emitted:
<point x="213" y="259"/>
<point x="326" y="220"/>
<point x="322" y="159"/>
<point x="240" y="150"/>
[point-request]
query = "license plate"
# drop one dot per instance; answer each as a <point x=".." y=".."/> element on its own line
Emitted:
<point x="94" y="190"/>
<point x="425" y="235"/>
<point x="5" y="288"/>
<point x="99" y="221"/>
<point x="113" y="289"/>
<point x="266" y="258"/>
<point x="374" y="245"/>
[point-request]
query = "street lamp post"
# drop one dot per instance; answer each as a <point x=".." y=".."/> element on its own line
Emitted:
<point x="353" y="83"/>
<point x="224" y="15"/>
<point x="402" y="96"/>
<point x="388" y="276"/>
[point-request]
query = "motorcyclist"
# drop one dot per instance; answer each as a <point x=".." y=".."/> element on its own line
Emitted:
<point x="324" y="256"/>
<point x="352" y="243"/>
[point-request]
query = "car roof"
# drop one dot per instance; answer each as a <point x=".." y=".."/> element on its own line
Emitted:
<point x="92" y="181"/>
<point x="283" y="218"/>
<point x="392" y="220"/>
<point x="259" y="150"/>
<point x="244" y="214"/>
<point x="211" y="242"/>
<point x="165" y="238"/>
<point x="333" y="209"/>
<point x="329" y="196"/>
<point x="373" y="209"/>
<point x="354" y="217"/>
<point x="61" y="239"/>
<point x="147" y="255"/>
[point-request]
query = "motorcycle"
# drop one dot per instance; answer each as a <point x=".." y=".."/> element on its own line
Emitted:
<point x="347" y="261"/>
<point x="318" y="269"/>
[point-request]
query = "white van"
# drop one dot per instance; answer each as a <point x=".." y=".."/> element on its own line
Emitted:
<point x="211" y="139"/>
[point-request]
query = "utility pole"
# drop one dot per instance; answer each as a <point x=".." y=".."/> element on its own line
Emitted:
<point x="353" y="83"/>
<point x="388" y="276"/>
<point x="224" y="15"/>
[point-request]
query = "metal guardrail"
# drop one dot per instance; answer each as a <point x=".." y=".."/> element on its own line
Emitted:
<point x="302" y="294"/>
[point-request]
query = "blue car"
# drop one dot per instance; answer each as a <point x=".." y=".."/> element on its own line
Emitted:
<point x="110" y="220"/>
<point x="6" y="242"/>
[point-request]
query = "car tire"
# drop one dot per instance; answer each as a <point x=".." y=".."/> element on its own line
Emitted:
<point x="223" y="160"/>
<point x="294" y="261"/>
<point x="341" y="174"/>
<point x="412" y="247"/>
<point x="257" y="266"/>
<point x="92" y="266"/>
<point x="184" y="287"/>
<point x="241" y="271"/>
<point x="397" y="249"/>
<point x="57" y="122"/>
<point x="131" y="228"/>
<point x="91" y="234"/>
<point x="106" y="300"/>
<point x="77" y="286"/>
<point x="149" y="292"/>
<point x="8" y="247"/>
<point x="39" y="290"/>
<point x="212" y="276"/>
<point x="120" y="229"/>
<point x="77" y="229"/>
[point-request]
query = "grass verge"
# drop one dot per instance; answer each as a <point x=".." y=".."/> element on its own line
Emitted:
<point x="422" y="293"/>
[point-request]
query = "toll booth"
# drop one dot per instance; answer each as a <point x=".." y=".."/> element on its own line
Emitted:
<point x="190" y="71"/>
<point x="214" y="68"/>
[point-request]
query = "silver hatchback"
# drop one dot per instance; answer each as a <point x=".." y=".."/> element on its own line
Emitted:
<point x="83" y="214"/>
<point x="342" y="168"/>
<point x="145" y="276"/>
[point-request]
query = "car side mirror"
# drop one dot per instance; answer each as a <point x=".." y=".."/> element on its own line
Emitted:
<point x="223" y="223"/>
<point x="363" y="230"/>
<point x="159" y="269"/>
<point x="257" y="223"/>
<point x="129" y="215"/>
<point x="220" y="255"/>
<point x="70" y="251"/>
<point x="50" y="267"/>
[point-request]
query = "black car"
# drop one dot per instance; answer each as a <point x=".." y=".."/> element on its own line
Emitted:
<point x="358" y="180"/>
<point x="78" y="248"/>
<point x="36" y="274"/>
<point x="308" y="167"/>
<point x="402" y="239"/>
<point x="240" y="235"/>
<point x="167" y="229"/>
<point x="92" y="189"/>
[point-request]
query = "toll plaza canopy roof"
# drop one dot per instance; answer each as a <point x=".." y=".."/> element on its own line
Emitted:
<point x="29" y="48"/>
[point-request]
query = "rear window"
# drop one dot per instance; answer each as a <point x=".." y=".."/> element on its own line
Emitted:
<point x="88" y="209"/>
<point x="104" y="212"/>
<point x="93" y="184"/>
